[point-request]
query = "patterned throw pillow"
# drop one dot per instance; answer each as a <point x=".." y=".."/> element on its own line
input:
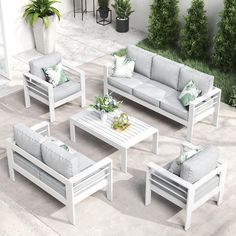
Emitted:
<point x="175" y="166"/>
<point x="124" y="67"/>
<point x="55" y="75"/>
<point x="189" y="93"/>
<point x="61" y="144"/>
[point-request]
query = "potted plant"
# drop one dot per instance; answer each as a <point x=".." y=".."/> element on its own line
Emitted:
<point x="103" y="8"/>
<point x="123" y="10"/>
<point x="104" y="105"/>
<point x="42" y="16"/>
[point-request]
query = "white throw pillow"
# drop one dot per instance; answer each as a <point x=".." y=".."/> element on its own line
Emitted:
<point x="124" y="67"/>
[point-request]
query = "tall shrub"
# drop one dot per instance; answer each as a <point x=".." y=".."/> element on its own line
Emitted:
<point x="224" y="55"/>
<point x="194" y="35"/>
<point x="163" y="26"/>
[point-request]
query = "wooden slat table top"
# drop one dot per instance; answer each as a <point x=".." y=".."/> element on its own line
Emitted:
<point x="89" y="121"/>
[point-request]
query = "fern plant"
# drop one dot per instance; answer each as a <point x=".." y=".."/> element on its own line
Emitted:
<point x="40" y="9"/>
<point x="103" y="4"/>
<point x="122" y="8"/>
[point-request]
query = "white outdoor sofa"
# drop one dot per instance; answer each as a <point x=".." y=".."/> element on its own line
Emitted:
<point x="157" y="83"/>
<point x="68" y="177"/>
<point x="36" y="86"/>
<point x="201" y="178"/>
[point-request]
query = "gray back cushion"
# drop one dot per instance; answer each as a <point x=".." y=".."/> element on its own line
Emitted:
<point x="165" y="71"/>
<point x="199" y="165"/>
<point x="62" y="161"/>
<point x="28" y="140"/>
<point x="143" y="60"/>
<point x="36" y="65"/>
<point x="203" y="81"/>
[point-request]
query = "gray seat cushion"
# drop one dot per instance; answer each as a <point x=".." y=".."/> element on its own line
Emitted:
<point x="172" y="105"/>
<point x="62" y="161"/>
<point x="203" y="81"/>
<point x="152" y="92"/>
<point x="36" y="65"/>
<point x="28" y="140"/>
<point x="199" y="165"/>
<point x="26" y="165"/>
<point x="127" y="84"/>
<point x="143" y="60"/>
<point x="165" y="71"/>
<point x="65" y="90"/>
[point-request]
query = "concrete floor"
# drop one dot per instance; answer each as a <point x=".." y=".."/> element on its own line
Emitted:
<point x="27" y="210"/>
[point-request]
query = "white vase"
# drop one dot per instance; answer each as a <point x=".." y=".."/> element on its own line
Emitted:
<point x="45" y="39"/>
<point x="103" y="117"/>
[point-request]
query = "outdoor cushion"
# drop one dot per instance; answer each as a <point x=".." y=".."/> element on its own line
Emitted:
<point x="26" y="165"/>
<point x="36" y="65"/>
<point x="65" y="90"/>
<point x="127" y="84"/>
<point x="165" y="71"/>
<point x="29" y="140"/>
<point x="172" y="105"/>
<point x="143" y="60"/>
<point x="203" y="81"/>
<point x="52" y="182"/>
<point x="62" y="161"/>
<point x="199" y="165"/>
<point x="152" y="92"/>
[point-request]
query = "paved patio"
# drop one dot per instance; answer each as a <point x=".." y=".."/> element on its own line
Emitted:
<point x="27" y="210"/>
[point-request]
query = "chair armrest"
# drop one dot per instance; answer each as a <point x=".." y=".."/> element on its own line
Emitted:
<point x="190" y="145"/>
<point x="73" y="70"/>
<point x="213" y="93"/>
<point x="42" y="127"/>
<point x="106" y="162"/>
<point x="38" y="80"/>
<point x="169" y="175"/>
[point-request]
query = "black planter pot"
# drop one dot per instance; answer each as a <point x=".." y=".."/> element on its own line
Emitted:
<point x="103" y="12"/>
<point x="122" y="25"/>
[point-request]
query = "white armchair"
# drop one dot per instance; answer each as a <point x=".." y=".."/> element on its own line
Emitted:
<point x="185" y="194"/>
<point x="36" y="86"/>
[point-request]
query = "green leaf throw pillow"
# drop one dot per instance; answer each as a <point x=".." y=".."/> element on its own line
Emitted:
<point x="55" y="75"/>
<point x="175" y="166"/>
<point x="189" y="93"/>
<point x="123" y="67"/>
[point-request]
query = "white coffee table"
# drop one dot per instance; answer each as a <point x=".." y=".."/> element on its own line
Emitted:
<point x="90" y="122"/>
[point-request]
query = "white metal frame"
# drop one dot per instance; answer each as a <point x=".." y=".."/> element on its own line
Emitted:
<point x="5" y="73"/>
<point x="191" y="204"/>
<point x="43" y="91"/>
<point x="74" y="193"/>
<point x="203" y="106"/>
<point x="121" y="141"/>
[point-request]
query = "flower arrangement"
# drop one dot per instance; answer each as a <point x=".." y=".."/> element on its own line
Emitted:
<point x="106" y="104"/>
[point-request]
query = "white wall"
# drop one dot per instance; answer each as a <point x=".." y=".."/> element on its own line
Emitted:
<point x="139" y="19"/>
<point x="19" y="34"/>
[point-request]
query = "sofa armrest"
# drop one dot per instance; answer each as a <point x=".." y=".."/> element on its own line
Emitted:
<point x="186" y="144"/>
<point x="104" y="163"/>
<point x="42" y="127"/>
<point x="174" y="178"/>
<point x="213" y="93"/>
<point x="33" y="78"/>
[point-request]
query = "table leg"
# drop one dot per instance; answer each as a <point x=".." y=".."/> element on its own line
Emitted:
<point x="155" y="142"/>
<point x="74" y="7"/>
<point x="72" y="131"/>
<point x="124" y="153"/>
